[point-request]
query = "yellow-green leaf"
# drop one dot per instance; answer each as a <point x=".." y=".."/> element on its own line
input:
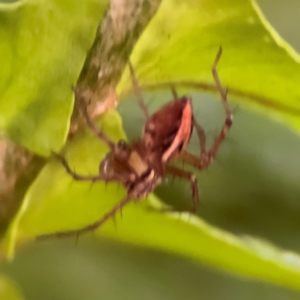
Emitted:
<point x="43" y="45"/>
<point x="56" y="202"/>
<point x="180" y="44"/>
<point x="9" y="290"/>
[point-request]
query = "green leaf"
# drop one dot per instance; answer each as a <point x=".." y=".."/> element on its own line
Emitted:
<point x="43" y="45"/>
<point x="55" y="202"/>
<point x="260" y="69"/>
<point x="56" y="195"/>
<point x="8" y="289"/>
<point x="178" y="47"/>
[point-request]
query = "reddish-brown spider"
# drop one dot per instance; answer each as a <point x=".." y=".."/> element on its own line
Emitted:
<point x="140" y="166"/>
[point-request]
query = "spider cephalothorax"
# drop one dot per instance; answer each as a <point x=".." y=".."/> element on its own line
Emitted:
<point x="141" y="165"/>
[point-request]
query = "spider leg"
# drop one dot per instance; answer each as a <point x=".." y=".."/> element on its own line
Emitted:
<point x="83" y="110"/>
<point x="201" y="136"/>
<point x="90" y="227"/>
<point x="174" y="93"/>
<point x="192" y="160"/>
<point x="206" y="157"/>
<point x="137" y="91"/>
<point x="99" y="133"/>
<point x="78" y="177"/>
<point x="193" y="181"/>
<point x="229" y="117"/>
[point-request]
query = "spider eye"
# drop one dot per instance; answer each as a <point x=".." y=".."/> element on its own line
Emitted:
<point x="122" y="145"/>
<point x="123" y="149"/>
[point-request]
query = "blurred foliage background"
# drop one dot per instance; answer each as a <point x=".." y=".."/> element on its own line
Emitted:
<point x="251" y="189"/>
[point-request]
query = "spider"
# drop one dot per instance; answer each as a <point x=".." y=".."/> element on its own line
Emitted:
<point x="141" y="165"/>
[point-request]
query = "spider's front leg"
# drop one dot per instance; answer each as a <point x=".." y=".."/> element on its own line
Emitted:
<point x="101" y="177"/>
<point x="73" y="174"/>
<point x="121" y="149"/>
<point x="137" y="91"/>
<point x="98" y="132"/>
<point x="79" y="177"/>
<point x="207" y="156"/>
